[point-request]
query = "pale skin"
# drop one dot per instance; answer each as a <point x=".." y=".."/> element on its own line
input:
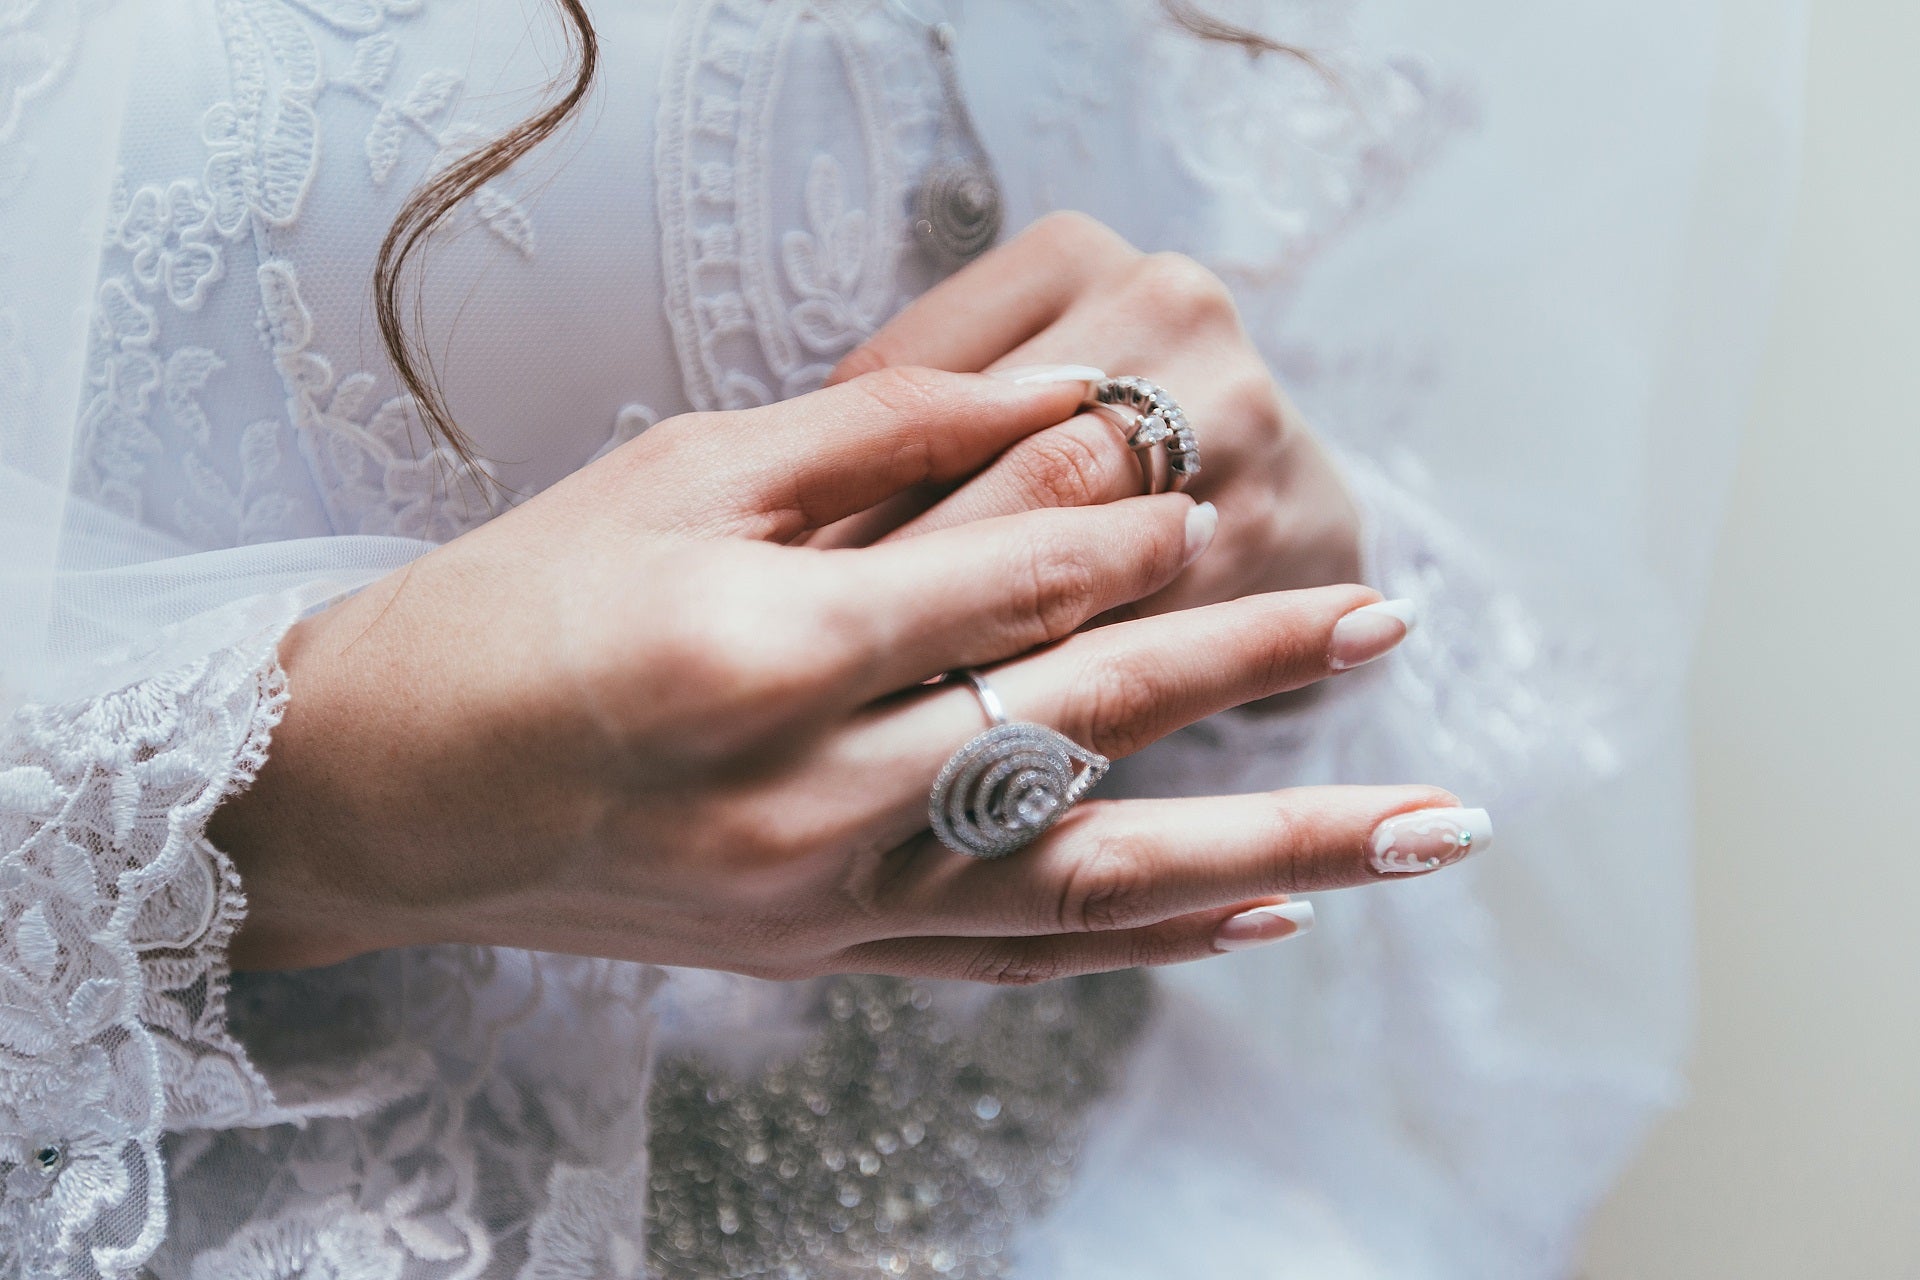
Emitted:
<point x="674" y="708"/>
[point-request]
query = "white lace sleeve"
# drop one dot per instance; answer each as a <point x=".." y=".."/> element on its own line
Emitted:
<point x="115" y="913"/>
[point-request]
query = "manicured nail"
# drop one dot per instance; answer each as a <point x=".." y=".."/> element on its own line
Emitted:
<point x="1261" y="925"/>
<point x="1202" y="523"/>
<point x="1027" y="375"/>
<point x="1370" y="632"/>
<point x="1428" y="839"/>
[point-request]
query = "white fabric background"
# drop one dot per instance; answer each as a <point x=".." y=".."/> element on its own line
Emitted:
<point x="1794" y="1154"/>
<point x="1526" y="325"/>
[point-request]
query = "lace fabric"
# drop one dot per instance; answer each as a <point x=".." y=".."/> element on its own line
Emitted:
<point x="112" y="968"/>
<point x="733" y="219"/>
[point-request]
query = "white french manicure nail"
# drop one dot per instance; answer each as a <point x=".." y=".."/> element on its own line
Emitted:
<point x="1428" y="839"/>
<point x="1203" y="521"/>
<point x="1370" y="632"/>
<point x="1028" y="375"/>
<point x="1261" y="925"/>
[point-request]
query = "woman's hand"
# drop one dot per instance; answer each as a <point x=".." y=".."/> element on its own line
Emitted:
<point x="1068" y="291"/>
<point x="630" y="718"/>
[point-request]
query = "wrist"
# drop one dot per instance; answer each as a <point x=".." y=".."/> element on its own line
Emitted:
<point x="288" y="845"/>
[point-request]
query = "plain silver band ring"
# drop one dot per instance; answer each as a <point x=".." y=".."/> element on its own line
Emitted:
<point x="1005" y="786"/>
<point x="990" y="703"/>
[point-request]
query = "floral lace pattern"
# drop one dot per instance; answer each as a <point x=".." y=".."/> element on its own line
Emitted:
<point x="178" y="239"/>
<point x="112" y="960"/>
<point x="408" y="1125"/>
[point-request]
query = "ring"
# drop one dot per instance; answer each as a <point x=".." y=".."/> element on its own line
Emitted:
<point x="1158" y="432"/>
<point x="1006" y="786"/>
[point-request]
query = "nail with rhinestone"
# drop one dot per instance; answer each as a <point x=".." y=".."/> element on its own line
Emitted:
<point x="1428" y="839"/>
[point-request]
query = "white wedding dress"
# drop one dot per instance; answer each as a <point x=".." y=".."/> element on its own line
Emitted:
<point x="1482" y="256"/>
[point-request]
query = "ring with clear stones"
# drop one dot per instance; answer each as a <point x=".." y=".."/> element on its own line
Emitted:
<point x="1158" y="431"/>
<point x="1001" y="790"/>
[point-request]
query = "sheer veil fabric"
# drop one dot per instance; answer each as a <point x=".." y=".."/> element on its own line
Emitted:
<point x="1513" y="262"/>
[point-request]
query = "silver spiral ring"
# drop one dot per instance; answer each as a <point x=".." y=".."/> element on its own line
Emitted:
<point x="1158" y="430"/>
<point x="1001" y="790"/>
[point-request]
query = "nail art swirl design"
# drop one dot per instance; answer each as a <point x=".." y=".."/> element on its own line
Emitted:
<point x="1428" y="839"/>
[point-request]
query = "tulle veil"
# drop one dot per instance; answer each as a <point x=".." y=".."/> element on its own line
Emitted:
<point x="1534" y="297"/>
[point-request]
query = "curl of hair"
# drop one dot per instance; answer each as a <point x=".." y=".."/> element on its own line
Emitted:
<point x="430" y="206"/>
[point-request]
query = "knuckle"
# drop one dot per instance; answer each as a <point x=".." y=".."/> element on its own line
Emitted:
<point x="1015" y="968"/>
<point x="746" y="675"/>
<point x="1060" y="589"/>
<point x="1117" y="702"/>
<point x="1151" y="948"/>
<point x="1288" y="862"/>
<point x="1069" y="466"/>
<point x="1184" y="291"/>
<point x="1107" y="889"/>
<point x="1250" y="396"/>
<point x="867" y="358"/>
<point x="906" y="392"/>
<point x="1070" y="229"/>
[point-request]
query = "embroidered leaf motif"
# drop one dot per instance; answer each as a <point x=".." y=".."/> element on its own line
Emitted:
<point x="34" y="943"/>
<point x="373" y="62"/>
<point x="126" y="318"/>
<point x="289" y="323"/>
<point x="802" y="261"/>
<point x="209" y="486"/>
<point x="504" y="216"/>
<point x="350" y="398"/>
<point x="186" y="376"/>
<point x="124" y="809"/>
<point x="294" y="53"/>
<point x="431" y="95"/>
<point x="383" y="143"/>
<point x="847" y="238"/>
<point x="73" y="870"/>
<point x="348" y="15"/>
<point x="289" y="154"/>
<point x="30" y="791"/>
<point x="94" y="1006"/>
<point x="824" y="198"/>
<point x="24" y="1033"/>
<point x="260" y="451"/>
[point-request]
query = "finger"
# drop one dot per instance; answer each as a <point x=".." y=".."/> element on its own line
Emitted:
<point x="973" y="596"/>
<point x="1116" y="689"/>
<point x="776" y="472"/>
<point x="1014" y="962"/>
<point x="996" y="303"/>
<point x="1126" y="864"/>
<point x="1082" y="462"/>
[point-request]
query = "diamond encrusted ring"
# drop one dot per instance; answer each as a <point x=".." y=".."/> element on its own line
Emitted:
<point x="1157" y="430"/>
<point x="1006" y="786"/>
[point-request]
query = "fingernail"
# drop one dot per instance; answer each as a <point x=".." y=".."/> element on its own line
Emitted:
<point x="1261" y="925"/>
<point x="1027" y="375"/>
<point x="1202" y="523"/>
<point x="1370" y="632"/>
<point x="1428" y="839"/>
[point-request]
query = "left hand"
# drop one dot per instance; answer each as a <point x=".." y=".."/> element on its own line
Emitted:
<point x="1069" y="291"/>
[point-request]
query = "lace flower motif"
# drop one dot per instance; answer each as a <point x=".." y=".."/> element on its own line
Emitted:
<point x="170" y="234"/>
<point x="114" y="918"/>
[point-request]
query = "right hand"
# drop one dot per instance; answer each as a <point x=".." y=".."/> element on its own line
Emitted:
<point x="629" y="719"/>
